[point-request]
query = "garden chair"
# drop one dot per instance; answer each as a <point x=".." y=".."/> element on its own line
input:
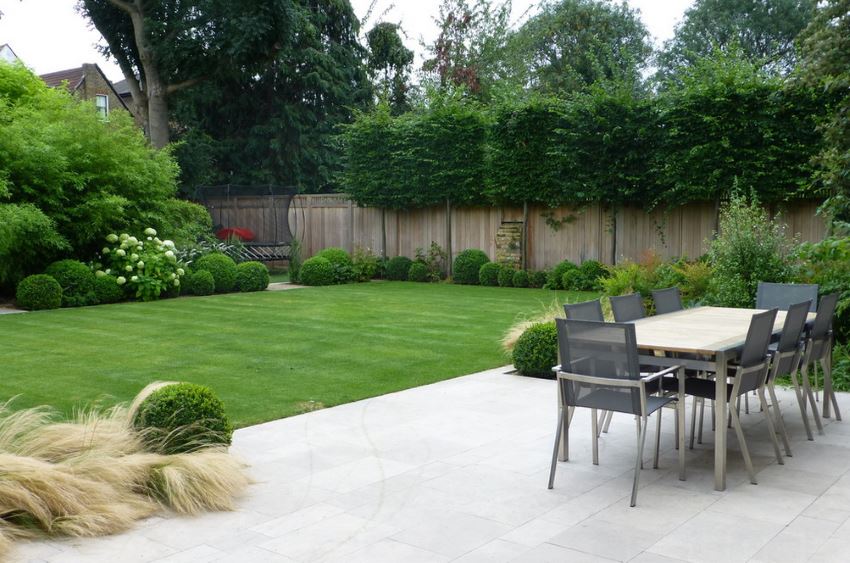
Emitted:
<point x="783" y="295"/>
<point x="599" y="370"/>
<point x="819" y="351"/>
<point x="584" y="311"/>
<point x="750" y="374"/>
<point x="627" y="308"/>
<point x="667" y="300"/>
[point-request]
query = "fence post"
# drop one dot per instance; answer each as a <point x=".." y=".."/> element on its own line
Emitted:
<point x="523" y="248"/>
<point x="448" y="237"/>
<point x="384" y="233"/>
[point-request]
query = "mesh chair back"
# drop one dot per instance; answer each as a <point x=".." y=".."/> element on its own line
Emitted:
<point x="627" y="308"/>
<point x="667" y="300"/>
<point x="822" y="326"/>
<point x="792" y="330"/>
<point x="604" y="352"/>
<point x="755" y="349"/>
<point x="585" y="311"/>
<point x="783" y="295"/>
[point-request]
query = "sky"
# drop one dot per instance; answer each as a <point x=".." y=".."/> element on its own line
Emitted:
<point x="49" y="35"/>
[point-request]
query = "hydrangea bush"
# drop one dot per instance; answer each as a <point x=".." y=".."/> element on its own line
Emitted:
<point x="145" y="267"/>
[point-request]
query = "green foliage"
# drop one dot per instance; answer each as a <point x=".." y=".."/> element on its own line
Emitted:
<point x="364" y="264"/>
<point x="201" y="282"/>
<point x="340" y="262"/>
<point x="467" y="265"/>
<point x="488" y="274"/>
<point x="521" y="279"/>
<point x="506" y="276"/>
<point x="537" y="279"/>
<point x="28" y="242"/>
<point x="222" y="268"/>
<point x="252" y="276"/>
<point x="294" y="260"/>
<point x="435" y="260"/>
<point x="536" y="351"/>
<point x="418" y="272"/>
<point x="183" y="417"/>
<point x="388" y="65"/>
<point x="316" y="271"/>
<point x="587" y="277"/>
<point x="398" y="268"/>
<point x="555" y="278"/>
<point x="38" y="292"/>
<point x="827" y="264"/>
<point x="692" y="279"/>
<point x="749" y="248"/>
<point x="77" y="281"/>
<point x="841" y="367"/>
<point x="145" y="266"/>
<point x="107" y="290"/>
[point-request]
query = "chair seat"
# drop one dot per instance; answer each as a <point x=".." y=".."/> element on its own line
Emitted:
<point x="705" y="388"/>
<point x="618" y="401"/>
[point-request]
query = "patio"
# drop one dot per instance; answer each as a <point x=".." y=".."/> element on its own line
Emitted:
<point x="457" y="470"/>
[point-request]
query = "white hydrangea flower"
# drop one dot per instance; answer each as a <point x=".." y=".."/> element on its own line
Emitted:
<point x="121" y="280"/>
<point x="133" y="240"/>
<point x="134" y="257"/>
<point x="156" y="240"/>
<point x="99" y="273"/>
<point x="128" y="268"/>
<point x="124" y="236"/>
<point x="124" y="245"/>
<point x="121" y="252"/>
<point x="112" y="237"/>
<point x="134" y="279"/>
<point x="108" y="271"/>
<point x="150" y="232"/>
<point x="140" y="264"/>
<point x="150" y="238"/>
<point x="180" y="271"/>
<point x="173" y="276"/>
<point x="176" y="283"/>
<point x="168" y="243"/>
<point x="106" y="250"/>
<point x="169" y="254"/>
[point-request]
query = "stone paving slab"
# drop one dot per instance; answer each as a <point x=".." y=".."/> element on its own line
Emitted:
<point x="457" y="471"/>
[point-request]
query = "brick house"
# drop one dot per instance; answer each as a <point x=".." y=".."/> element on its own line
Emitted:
<point x="89" y="83"/>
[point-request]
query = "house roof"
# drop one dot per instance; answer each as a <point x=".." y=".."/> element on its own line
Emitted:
<point x="74" y="77"/>
<point x="7" y="53"/>
<point x="121" y="88"/>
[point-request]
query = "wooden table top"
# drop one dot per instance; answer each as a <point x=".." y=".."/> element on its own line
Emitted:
<point x="701" y="330"/>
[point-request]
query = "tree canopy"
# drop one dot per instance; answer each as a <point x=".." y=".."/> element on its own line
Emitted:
<point x="389" y="63"/>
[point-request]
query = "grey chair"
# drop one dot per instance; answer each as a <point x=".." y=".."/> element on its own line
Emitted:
<point x="667" y="300"/>
<point x="599" y="370"/>
<point x="627" y="308"/>
<point x="749" y="374"/>
<point x="783" y="295"/>
<point x="819" y="351"/>
<point x="584" y="311"/>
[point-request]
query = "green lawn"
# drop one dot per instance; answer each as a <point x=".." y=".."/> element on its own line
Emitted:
<point x="268" y="355"/>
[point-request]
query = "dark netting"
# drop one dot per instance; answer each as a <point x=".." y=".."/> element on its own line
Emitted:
<point x="586" y="311"/>
<point x="783" y="295"/>
<point x="603" y="351"/>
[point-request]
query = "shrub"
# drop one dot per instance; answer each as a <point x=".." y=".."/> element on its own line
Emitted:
<point x="107" y="290"/>
<point x="222" y="268"/>
<point x="39" y="292"/>
<point x="341" y="264"/>
<point x="398" y="268"/>
<point x="434" y="259"/>
<point x="555" y="278"/>
<point x="488" y="274"/>
<point x="201" y="283"/>
<point x="364" y="264"/>
<point x="146" y="266"/>
<point x="28" y="242"/>
<point x="590" y="273"/>
<point x="316" y="271"/>
<point x="252" y="276"/>
<point x="418" y="272"/>
<point x="183" y="417"/>
<point x="520" y="278"/>
<point x="77" y="281"/>
<point x="696" y="278"/>
<point x="827" y="264"/>
<point x="536" y="351"/>
<point x="506" y="276"/>
<point x="294" y="260"/>
<point x="538" y="279"/>
<point x="466" y="266"/>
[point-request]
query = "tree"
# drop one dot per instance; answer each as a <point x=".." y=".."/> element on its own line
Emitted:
<point x="571" y="44"/>
<point x="764" y="30"/>
<point x="388" y="64"/>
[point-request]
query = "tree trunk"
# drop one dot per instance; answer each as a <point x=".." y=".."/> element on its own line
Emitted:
<point x="158" y="118"/>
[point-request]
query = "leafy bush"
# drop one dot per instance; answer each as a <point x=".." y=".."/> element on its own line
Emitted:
<point x="555" y="278"/>
<point x="201" y="283"/>
<point x="191" y="252"/>
<point x="466" y="266"/>
<point x="537" y="279"/>
<point x="434" y="260"/>
<point x="488" y="274"/>
<point x="77" y="281"/>
<point x="340" y="263"/>
<point x="418" y="272"/>
<point x="294" y="260"/>
<point x="398" y="268"/>
<point x="520" y="278"/>
<point x="252" y="276"/>
<point x="589" y="273"/>
<point x="222" y="268"/>
<point x="364" y="264"/>
<point x="749" y="248"/>
<point x="536" y="351"/>
<point x="107" y="290"/>
<point x="28" y="242"/>
<point x="696" y="278"/>
<point x="827" y="264"/>
<point x="506" y="276"/>
<point x="38" y="292"/>
<point x="316" y="271"/>
<point x="183" y="417"/>
<point x="146" y="267"/>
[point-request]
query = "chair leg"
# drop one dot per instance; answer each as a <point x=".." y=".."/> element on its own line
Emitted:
<point x="637" y="420"/>
<point x="639" y="459"/>
<point x="736" y="424"/>
<point x="701" y="417"/>
<point x="561" y="418"/>
<point x="746" y="404"/>
<point x="770" y="428"/>
<point x="608" y="421"/>
<point x="595" y="430"/>
<point x="713" y="423"/>
<point x="601" y="423"/>
<point x="676" y="432"/>
<point x="780" y="422"/>
<point x="657" y="438"/>
<point x="680" y="434"/>
<point x="693" y="423"/>
<point x="801" y="402"/>
<point x="808" y="389"/>
<point x="829" y="399"/>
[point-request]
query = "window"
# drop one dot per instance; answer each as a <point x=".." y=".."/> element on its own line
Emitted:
<point x="102" y="103"/>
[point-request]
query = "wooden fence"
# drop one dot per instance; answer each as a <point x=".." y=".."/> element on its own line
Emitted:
<point x="551" y="235"/>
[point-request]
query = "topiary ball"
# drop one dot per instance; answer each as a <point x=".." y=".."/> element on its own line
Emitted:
<point x="39" y="292"/>
<point x="418" y="272"/>
<point x="222" y="268"/>
<point x="536" y="351"/>
<point x="340" y="262"/>
<point x="183" y="417"/>
<point x="316" y="271"/>
<point x="252" y="276"/>
<point x="488" y="274"/>
<point x="398" y="268"/>
<point x="520" y="278"/>
<point x="107" y="289"/>
<point x="506" y="276"/>
<point x="592" y="271"/>
<point x="555" y="279"/>
<point x="537" y="279"/>
<point x="467" y="266"/>
<point x="77" y="281"/>
<point x="572" y="280"/>
<point x="200" y="283"/>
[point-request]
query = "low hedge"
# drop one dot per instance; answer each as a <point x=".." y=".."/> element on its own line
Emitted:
<point x="398" y="268"/>
<point x="316" y="271"/>
<point x="536" y="351"/>
<point x="520" y="278"/>
<point x="252" y="276"/>
<point x="506" y="276"/>
<point x="107" y="290"/>
<point x="467" y="265"/>
<point x="200" y="283"/>
<point x="488" y="274"/>
<point x="77" y="281"/>
<point x="222" y="268"/>
<point x="537" y="279"/>
<point x="555" y="278"/>
<point x="39" y="292"/>
<point x="341" y="264"/>
<point x="418" y="272"/>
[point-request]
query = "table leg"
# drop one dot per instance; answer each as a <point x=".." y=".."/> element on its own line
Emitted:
<point x="720" y="415"/>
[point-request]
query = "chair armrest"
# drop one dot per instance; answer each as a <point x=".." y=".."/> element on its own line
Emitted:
<point x="662" y="373"/>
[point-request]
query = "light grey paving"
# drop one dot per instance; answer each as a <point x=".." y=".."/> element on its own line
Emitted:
<point x="457" y="471"/>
